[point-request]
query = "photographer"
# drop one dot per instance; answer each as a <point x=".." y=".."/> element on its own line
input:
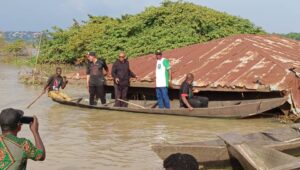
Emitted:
<point x="15" y="151"/>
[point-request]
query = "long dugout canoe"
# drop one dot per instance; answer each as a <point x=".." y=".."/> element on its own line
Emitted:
<point x="216" y="109"/>
<point x="214" y="153"/>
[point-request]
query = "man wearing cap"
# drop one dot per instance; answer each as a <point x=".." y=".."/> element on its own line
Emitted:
<point x="163" y="78"/>
<point x="15" y="151"/>
<point x="121" y="74"/>
<point x="53" y="85"/>
<point x="95" y="78"/>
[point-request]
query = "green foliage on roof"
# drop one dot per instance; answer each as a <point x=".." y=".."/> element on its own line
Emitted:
<point x="171" y="25"/>
<point x="293" y="35"/>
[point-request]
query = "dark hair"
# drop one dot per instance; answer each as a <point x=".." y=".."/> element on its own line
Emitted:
<point x="180" y="161"/>
<point x="92" y="53"/>
<point x="58" y="68"/>
<point x="189" y="76"/>
<point x="10" y="118"/>
<point x="158" y="52"/>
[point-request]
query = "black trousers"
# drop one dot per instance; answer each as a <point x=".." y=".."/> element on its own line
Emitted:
<point x="98" y="92"/>
<point x="120" y="93"/>
<point x="198" y="102"/>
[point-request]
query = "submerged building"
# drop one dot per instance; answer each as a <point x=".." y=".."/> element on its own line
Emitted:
<point x="242" y="66"/>
<point x="233" y="68"/>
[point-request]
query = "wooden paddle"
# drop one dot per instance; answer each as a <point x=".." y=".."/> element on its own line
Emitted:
<point x="154" y="105"/>
<point x="35" y="100"/>
<point x="106" y="104"/>
<point x="77" y="100"/>
<point x="132" y="103"/>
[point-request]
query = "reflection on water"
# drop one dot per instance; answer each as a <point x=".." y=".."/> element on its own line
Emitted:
<point x="93" y="139"/>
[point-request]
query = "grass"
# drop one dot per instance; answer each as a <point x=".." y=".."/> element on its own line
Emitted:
<point x="19" y="61"/>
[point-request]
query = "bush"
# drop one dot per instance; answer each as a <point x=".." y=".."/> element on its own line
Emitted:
<point x="172" y="25"/>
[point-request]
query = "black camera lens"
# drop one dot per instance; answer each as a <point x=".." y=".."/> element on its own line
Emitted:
<point x="26" y="119"/>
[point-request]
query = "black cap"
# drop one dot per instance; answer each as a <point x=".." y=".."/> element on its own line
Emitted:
<point x="158" y="52"/>
<point x="9" y="118"/>
<point x="92" y="53"/>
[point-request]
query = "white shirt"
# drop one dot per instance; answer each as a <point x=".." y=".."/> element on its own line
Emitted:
<point x="162" y="72"/>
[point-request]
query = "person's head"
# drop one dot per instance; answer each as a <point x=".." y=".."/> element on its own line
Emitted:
<point x="122" y="56"/>
<point x="91" y="56"/>
<point x="10" y="120"/>
<point x="180" y="161"/>
<point x="158" y="54"/>
<point x="189" y="78"/>
<point x="58" y="71"/>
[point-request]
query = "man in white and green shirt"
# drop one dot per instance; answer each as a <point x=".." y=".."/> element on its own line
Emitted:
<point x="163" y="78"/>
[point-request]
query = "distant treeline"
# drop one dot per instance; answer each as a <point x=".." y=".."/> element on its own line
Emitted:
<point x="295" y="36"/>
<point x="27" y="36"/>
<point x="15" y="48"/>
<point x="2" y="41"/>
<point x="171" y="25"/>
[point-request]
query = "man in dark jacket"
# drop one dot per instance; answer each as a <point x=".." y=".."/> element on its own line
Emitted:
<point x="121" y="74"/>
<point x="95" y="78"/>
<point x="187" y="99"/>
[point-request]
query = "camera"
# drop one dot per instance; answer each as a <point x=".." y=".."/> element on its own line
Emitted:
<point x="26" y="119"/>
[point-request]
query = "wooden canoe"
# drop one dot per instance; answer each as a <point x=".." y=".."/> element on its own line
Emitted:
<point x="216" y="109"/>
<point x="214" y="153"/>
<point x="256" y="157"/>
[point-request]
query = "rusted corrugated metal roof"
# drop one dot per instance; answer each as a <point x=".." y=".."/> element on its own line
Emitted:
<point x="236" y="63"/>
<point x="249" y="62"/>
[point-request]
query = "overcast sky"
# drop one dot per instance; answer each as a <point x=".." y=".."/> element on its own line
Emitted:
<point x="280" y="16"/>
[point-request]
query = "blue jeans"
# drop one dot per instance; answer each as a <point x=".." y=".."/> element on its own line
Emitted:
<point x="162" y="97"/>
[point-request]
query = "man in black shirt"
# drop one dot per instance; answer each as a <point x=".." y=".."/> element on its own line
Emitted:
<point x="187" y="99"/>
<point x="121" y="74"/>
<point x="53" y="85"/>
<point x="95" y="78"/>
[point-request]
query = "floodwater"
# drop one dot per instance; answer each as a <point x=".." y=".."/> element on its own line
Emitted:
<point x="77" y="139"/>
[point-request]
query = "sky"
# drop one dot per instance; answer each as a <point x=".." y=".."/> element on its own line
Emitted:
<point x="274" y="16"/>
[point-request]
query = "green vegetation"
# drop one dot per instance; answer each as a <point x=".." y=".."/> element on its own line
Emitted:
<point x="295" y="36"/>
<point x="15" y="52"/>
<point x="15" y="48"/>
<point x="172" y="25"/>
<point x="2" y="42"/>
<point x="19" y="61"/>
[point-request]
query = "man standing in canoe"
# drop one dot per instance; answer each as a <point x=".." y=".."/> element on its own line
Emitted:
<point x="187" y="99"/>
<point x="53" y="85"/>
<point x="95" y="78"/>
<point x="121" y="74"/>
<point x="163" y="78"/>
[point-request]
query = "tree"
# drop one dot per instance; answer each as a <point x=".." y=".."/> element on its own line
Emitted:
<point x="2" y="42"/>
<point x="169" y="26"/>
<point x="15" y="48"/>
<point x="295" y="36"/>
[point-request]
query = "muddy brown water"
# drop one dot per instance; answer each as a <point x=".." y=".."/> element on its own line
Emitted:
<point x="77" y="139"/>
